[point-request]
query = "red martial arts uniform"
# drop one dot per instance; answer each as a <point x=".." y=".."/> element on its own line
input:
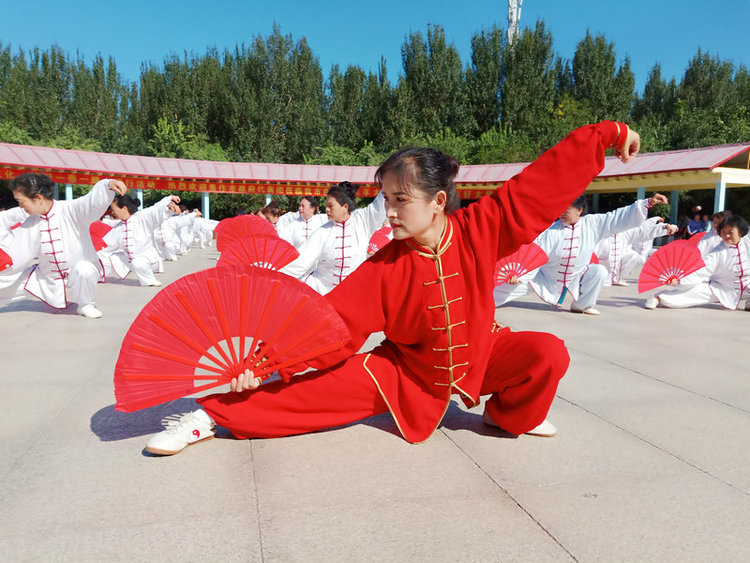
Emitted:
<point x="437" y="312"/>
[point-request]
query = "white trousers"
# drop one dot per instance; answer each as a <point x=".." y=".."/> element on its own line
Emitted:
<point x="81" y="283"/>
<point x="142" y="267"/>
<point x="591" y="282"/>
<point x="690" y="296"/>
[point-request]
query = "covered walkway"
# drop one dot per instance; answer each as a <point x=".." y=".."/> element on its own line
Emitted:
<point x="721" y="167"/>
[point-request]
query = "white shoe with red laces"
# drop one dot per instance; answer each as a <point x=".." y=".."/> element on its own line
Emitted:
<point x="180" y="432"/>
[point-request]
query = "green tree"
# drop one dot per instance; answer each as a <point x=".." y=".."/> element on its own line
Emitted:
<point x="482" y="83"/>
<point x="527" y="84"/>
<point x="598" y="83"/>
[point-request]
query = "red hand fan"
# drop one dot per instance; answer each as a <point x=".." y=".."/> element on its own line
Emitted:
<point x="695" y="239"/>
<point x="202" y="330"/>
<point x="5" y="260"/>
<point x="594" y="258"/>
<point x="527" y="258"/>
<point x="97" y="231"/>
<point x="672" y="261"/>
<point x="244" y="226"/>
<point x="262" y="251"/>
<point x="378" y="240"/>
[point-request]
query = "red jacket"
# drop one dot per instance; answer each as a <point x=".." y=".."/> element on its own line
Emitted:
<point x="436" y="309"/>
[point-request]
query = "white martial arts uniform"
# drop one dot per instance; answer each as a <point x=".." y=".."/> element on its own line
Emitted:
<point x="203" y="230"/>
<point x="709" y="241"/>
<point x="185" y="231"/>
<point x="622" y="253"/>
<point x="168" y="237"/>
<point x="11" y="218"/>
<point x="130" y="244"/>
<point x="335" y="250"/>
<point x="67" y="268"/>
<point x="297" y="230"/>
<point x="569" y="268"/>
<point x="724" y="279"/>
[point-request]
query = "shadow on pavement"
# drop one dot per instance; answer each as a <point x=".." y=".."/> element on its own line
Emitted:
<point x="110" y="425"/>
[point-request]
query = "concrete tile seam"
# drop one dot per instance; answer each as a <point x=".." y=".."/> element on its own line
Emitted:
<point x="510" y="496"/>
<point x="655" y="446"/>
<point x="251" y="455"/>
<point x="667" y="383"/>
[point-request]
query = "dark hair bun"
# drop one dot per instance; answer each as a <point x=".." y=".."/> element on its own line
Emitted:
<point x="349" y="188"/>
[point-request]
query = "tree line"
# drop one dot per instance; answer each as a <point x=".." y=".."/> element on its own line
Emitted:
<point x="270" y="101"/>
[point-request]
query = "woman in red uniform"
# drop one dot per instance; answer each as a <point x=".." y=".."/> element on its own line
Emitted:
<point x="430" y="292"/>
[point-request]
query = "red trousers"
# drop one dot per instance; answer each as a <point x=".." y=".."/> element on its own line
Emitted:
<point x="521" y="379"/>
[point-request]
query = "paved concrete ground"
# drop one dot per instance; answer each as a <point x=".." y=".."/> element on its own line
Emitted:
<point x="652" y="462"/>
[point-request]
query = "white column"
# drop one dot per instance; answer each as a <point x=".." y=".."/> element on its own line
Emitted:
<point x="674" y="204"/>
<point x="641" y="194"/>
<point x="721" y="194"/>
<point x="268" y="199"/>
<point x="68" y="191"/>
<point x="139" y="195"/>
<point x="206" y="206"/>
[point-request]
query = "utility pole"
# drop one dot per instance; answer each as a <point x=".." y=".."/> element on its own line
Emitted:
<point x="514" y="17"/>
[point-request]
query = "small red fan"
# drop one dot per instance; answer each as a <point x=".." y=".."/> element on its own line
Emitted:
<point x="671" y="262"/>
<point x="378" y="240"/>
<point x="5" y="260"/>
<point x="97" y="231"/>
<point x="695" y="239"/>
<point x="243" y="226"/>
<point x="262" y="251"/>
<point x="206" y="328"/>
<point x="594" y="258"/>
<point x="527" y="258"/>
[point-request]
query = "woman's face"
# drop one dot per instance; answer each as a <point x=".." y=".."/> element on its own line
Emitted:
<point x="730" y="235"/>
<point x="120" y="213"/>
<point x="306" y="210"/>
<point x="335" y="211"/>
<point x="571" y="216"/>
<point x="269" y="217"/>
<point x="36" y="205"/>
<point x="410" y="214"/>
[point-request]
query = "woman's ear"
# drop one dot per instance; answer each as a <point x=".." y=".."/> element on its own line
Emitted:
<point x="441" y="199"/>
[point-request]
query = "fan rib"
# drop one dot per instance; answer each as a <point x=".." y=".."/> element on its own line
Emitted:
<point x="174" y="357"/>
<point x="203" y="327"/>
<point x="157" y="319"/>
<point x="219" y="308"/>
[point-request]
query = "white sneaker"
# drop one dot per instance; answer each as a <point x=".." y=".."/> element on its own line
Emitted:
<point x="181" y="431"/>
<point x="586" y="311"/>
<point x="156" y="283"/>
<point x="621" y="283"/>
<point x="89" y="311"/>
<point x="651" y="302"/>
<point x="546" y="429"/>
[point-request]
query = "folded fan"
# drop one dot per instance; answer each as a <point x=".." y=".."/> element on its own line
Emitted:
<point x="97" y="231"/>
<point x="378" y="240"/>
<point x="242" y="227"/>
<point x="206" y="328"/>
<point x="262" y="251"/>
<point x="695" y="239"/>
<point x="527" y="258"/>
<point x="671" y="262"/>
<point x="5" y="260"/>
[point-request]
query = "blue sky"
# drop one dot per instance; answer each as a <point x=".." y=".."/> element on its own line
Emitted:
<point x="359" y="32"/>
